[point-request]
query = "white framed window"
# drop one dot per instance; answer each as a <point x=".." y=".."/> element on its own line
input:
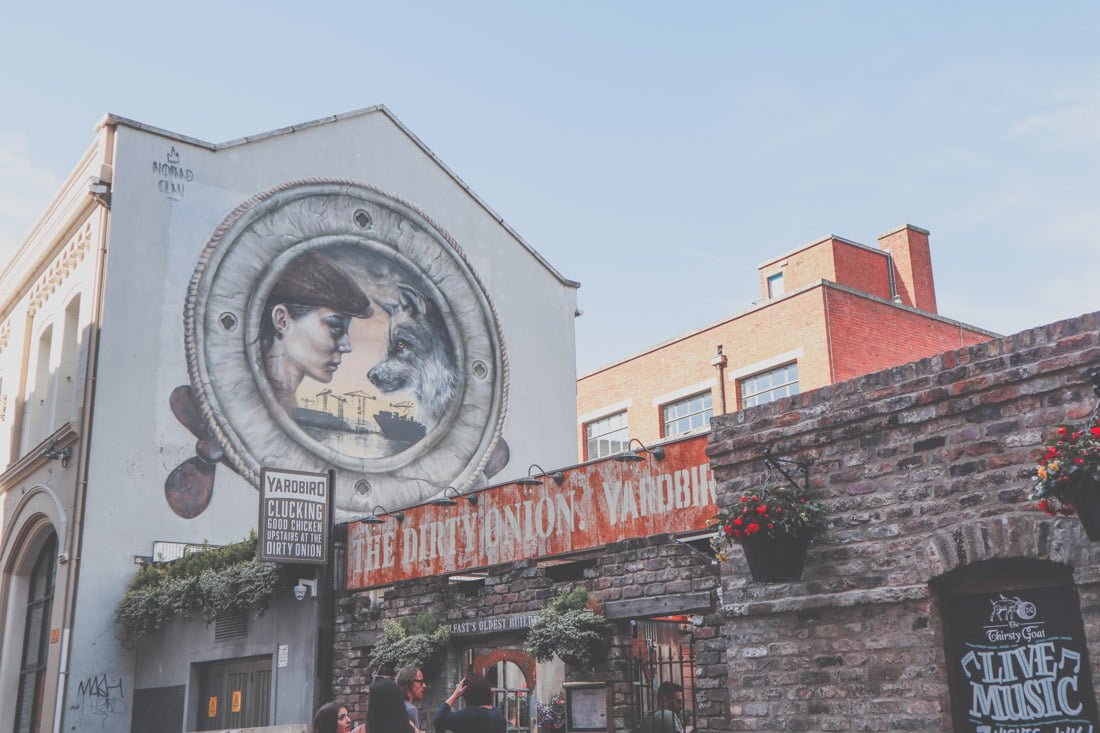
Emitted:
<point x="606" y="436"/>
<point x="686" y="415"/>
<point x="775" y="285"/>
<point x="768" y="386"/>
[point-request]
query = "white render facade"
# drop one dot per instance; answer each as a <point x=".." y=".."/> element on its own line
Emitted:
<point x="145" y="282"/>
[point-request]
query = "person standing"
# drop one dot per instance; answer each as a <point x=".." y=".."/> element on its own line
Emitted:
<point x="385" y="711"/>
<point x="670" y="704"/>
<point x="479" y="715"/>
<point x="332" y="718"/>
<point x="412" y="684"/>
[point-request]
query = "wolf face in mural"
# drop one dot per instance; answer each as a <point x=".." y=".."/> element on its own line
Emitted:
<point x="419" y="357"/>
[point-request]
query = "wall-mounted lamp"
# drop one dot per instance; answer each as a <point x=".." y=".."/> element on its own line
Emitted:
<point x="451" y="496"/>
<point x="531" y="480"/>
<point x="58" y="454"/>
<point x="631" y="456"/>
<point x="375" y="517"/>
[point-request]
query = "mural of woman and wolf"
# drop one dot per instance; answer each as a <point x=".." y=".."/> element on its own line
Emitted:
<point x="330" y="325"/>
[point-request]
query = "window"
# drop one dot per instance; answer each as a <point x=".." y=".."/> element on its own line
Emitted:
<point x="606" y="436"/>
<point x="775" y="285"/>
<point x="769" y="386"/>
<point x="37" y="408"/>
<point x="67" y="369"/>
<point x="683" y="416"/>
<point x="36" y="640"/>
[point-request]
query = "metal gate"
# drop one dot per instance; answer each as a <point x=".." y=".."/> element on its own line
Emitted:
<point x="660" y="657"/>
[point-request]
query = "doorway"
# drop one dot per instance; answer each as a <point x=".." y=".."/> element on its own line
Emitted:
<point x="511" y="674"/>
<point x="663" y="651"/>
<point x="234" y="693"/>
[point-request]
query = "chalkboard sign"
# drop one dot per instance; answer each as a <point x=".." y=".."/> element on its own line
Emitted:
<point x="1019" y="662"/>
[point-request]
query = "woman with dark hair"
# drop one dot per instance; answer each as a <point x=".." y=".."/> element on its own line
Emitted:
<point x="386" y="709"/>
<point x="479" y="715"/>
<point x="304" y="324"/>
<point x="332" y="718"/>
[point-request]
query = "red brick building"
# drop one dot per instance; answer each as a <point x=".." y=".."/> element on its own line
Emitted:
<point x="829" y="311"/>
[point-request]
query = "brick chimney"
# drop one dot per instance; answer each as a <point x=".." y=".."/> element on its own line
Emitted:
<point x="908" y="247"/>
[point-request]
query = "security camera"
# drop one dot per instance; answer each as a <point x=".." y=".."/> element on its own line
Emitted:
<point x="303" y="586"/>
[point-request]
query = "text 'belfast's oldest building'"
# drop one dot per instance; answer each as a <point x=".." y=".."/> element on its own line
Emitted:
<point x="828" y="311"/>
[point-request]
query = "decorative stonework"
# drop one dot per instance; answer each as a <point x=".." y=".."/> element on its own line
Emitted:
<point x="62" y="265"/>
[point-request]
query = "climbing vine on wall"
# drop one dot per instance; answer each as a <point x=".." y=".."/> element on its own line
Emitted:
<point x="209" y="583"/>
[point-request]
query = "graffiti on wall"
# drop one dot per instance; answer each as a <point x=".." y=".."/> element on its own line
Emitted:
<point x="329" y="325"/>
<point x="101" y="696"/>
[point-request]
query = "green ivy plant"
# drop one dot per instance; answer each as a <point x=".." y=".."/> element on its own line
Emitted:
<point x="410" y="642"/>
<point x="571" y="629"/>
<point x="218" y="581"/>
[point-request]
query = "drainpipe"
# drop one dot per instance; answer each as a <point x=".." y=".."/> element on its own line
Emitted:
<point x="719" y="361"/>
<point x="75" y="541"/>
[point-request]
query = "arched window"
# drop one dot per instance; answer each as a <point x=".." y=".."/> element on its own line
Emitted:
<point x="36" y="639"/>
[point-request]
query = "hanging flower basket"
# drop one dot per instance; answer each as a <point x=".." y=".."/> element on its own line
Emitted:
<point x="774" y="526"/>
<point x="1084" y="494"/>
<point x="776" y="559"/>
<point x="1067" y="475"/>
<point x="572" y="627"/>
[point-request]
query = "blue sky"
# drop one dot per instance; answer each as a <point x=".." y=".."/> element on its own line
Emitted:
<point x="655" y="152"/>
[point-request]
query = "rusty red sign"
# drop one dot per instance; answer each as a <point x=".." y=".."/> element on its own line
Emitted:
<point x="596" y="503"/>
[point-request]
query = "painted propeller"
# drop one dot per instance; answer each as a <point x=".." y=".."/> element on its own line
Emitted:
<point x="191" y="484"/>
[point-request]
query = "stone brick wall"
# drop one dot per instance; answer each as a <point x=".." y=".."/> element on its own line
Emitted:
<point x="924" y="468"/>
<point x="631" y="579"/>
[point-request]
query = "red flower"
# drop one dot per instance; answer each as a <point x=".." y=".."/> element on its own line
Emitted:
<point x="1045" y="507"/>
<point x="737" y="522"/>
<point x="752" y="528"/>
<point x="761" y="510"/>
<point x="1078" y="460"/>
<point x="736" y="533"/>
<point x="744" y="499"/>
<point x="1095" y="431"/>
<point x="1062" y="431"/>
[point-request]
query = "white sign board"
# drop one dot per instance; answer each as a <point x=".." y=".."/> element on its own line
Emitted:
<point x="295" y="511"/>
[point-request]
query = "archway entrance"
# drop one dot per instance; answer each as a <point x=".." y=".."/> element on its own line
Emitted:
<point x="511" y="672"/>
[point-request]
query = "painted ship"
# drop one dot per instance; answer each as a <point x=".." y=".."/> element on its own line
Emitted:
<point x="308" y="418"/>
<point x="399" y="427"/>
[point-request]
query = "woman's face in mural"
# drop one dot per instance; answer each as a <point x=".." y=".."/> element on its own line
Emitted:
<point x="312" y="345"/>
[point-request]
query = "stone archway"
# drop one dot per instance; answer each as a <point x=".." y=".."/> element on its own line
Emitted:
<point x="511" y="672"/>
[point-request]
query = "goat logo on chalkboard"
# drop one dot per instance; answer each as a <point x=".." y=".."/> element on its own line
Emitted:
<point x="1011" y="609"/>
